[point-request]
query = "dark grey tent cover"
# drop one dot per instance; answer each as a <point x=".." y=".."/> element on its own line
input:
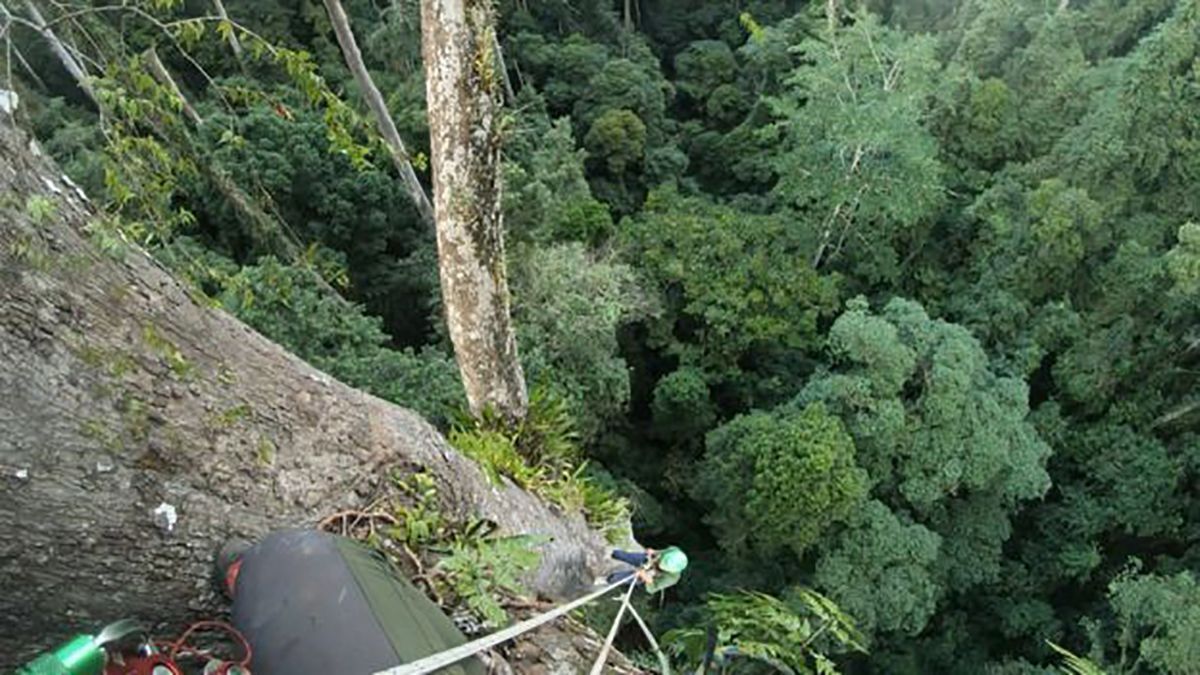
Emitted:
<point x="311" y="603"/>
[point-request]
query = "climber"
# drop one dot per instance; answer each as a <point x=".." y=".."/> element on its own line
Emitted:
<point x="657" y="570"/>
<point x="312" y="603"/>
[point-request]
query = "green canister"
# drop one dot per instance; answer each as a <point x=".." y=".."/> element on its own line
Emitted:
<point x="81" y="655"/>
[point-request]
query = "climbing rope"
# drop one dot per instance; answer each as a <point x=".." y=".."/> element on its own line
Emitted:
<point x="453" y="655"/>
<point x="663" y="662"/>
<point x="180" y="648"/>
<point x="612" y="632"/>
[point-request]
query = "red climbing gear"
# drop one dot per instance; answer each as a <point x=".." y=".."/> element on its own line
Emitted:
<point x="163" y="658"/>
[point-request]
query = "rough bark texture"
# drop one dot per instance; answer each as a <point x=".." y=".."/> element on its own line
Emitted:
<point x="462" y="85"/>
<point x="379" y="109"/>
<point x="120" y="393"/>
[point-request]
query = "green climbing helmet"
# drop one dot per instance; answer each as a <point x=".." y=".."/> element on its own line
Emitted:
<point x="673" y="561"/>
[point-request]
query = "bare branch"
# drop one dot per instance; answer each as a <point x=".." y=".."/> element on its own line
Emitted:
<point x="71" y="16"/>
<point x="159" y="72"/>
<point x="234" y="43"/>
<point x="60" y="51"/>
<point x="379" y="110"/>
<point x="16" y="53"/>
<point x="509" y="95"/>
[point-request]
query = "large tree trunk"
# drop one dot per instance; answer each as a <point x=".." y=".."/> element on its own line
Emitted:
<point x="462" y="94"/>
<point x="120" y="393"/>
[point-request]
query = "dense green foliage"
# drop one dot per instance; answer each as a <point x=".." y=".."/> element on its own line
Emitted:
<point x="895" y="300"/>
<point x="752" y="466"/>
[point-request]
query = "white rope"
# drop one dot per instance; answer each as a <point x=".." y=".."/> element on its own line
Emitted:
<point x="663" y="662"/>
<point x="598" y="666"/>
<point x="455" y="654"/>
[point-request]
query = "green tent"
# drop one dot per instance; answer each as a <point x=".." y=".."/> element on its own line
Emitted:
<point x="311" y="603"/>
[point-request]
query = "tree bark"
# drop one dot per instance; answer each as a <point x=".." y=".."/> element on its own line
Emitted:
<point x="379" y="109"/>
<point x="121" y="393"/>
<point x="462" y="86"/>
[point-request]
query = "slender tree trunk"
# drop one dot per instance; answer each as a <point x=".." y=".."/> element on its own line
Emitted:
<point x="121" y="393"/>
<point x="509" y="94"/>
<point x="379" y="109"/>
<point x="33" y="76"/>
<point x="69" y="62"/>
<point x="234" y="43"/>
<point x="159" y="72"/>
<point x="462" y="85"/>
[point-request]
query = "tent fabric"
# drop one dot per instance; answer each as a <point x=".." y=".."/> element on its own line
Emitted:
<point x="311" y="603"/>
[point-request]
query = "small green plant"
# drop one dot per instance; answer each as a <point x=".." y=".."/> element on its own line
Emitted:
<point x="99" y="432"/>
<point x="421" y="523"/>
<point x="481" y="572"/>
<point x="92" y="356"/>
<point x="604" y="509"/>
<point x="225" y="375"/>
<point x="479" y="569"/>
<point x="167" y="349"/>
<point x="541" y="454"/>
<point x="107" y="232"/>
<point x="136" y="417"/>
<point x="265" y="451"/>
<point x="497" y="455"/>
<point x="26" y="249"/>
<point x="40" y="208"/>
<point x="547" y="436"/>
<point x="113" y="362"/>
<point x="233" y="415"/>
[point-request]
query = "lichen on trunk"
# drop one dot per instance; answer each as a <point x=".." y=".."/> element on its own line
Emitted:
<point x="464" y="96"/>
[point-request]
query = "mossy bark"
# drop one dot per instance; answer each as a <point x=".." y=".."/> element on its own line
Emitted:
<point x="462" y="87"/>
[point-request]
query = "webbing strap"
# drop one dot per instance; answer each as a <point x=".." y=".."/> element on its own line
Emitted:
<point x="598" y="666"/>
<point x="455" y="654"/>
<point x="663" y="662"/>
